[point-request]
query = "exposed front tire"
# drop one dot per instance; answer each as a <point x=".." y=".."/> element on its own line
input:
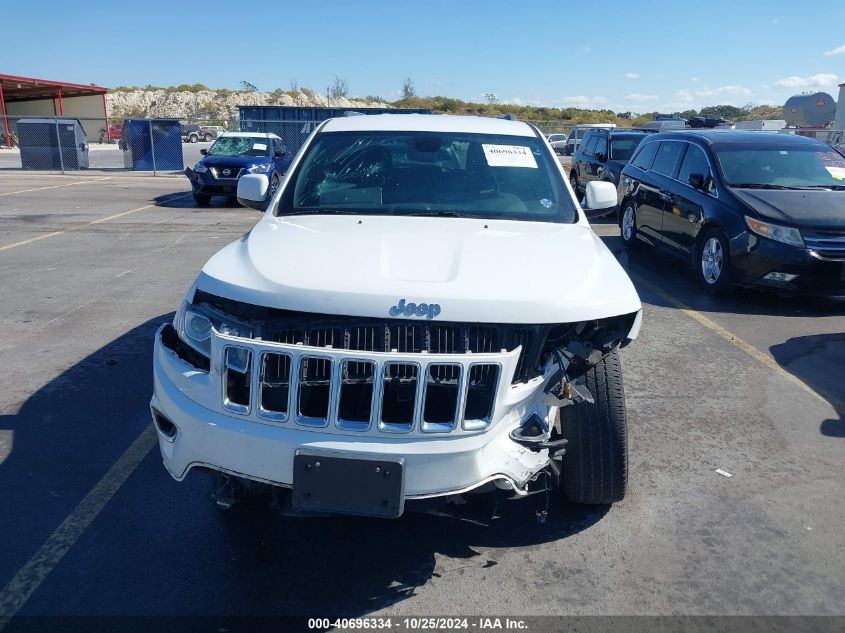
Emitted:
<point x="628" y="224"/>
<point x="713" y="262"/>
<point x="573" y="180"/>
<point x="206" y="138"/>
<point x="595" y="465"/>
<point x="193" y="138"/>
<point x="275" y="181"/>
<point x="202" y="199"/>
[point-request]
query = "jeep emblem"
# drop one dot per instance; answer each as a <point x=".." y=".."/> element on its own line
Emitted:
<point x="427" y="310"/>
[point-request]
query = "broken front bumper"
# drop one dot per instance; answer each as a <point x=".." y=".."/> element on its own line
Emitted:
<point x="207" y="431"/>
<point x="206" y="183"/>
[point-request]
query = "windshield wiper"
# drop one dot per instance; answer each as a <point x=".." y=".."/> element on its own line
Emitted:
<point x="832" y="187"/>
<point x="324" y="211"/>
<point x="761" y="185"/>
<point x="437" y="214"/>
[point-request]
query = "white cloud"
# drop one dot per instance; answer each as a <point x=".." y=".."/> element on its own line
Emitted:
<point x="723" y="90"/>
<point x="638" y="98"/>
<point x="821" y="80"/>
<point x="684" y="95"/>
<point x="580" y="101"/>
<point x="632" y="75"/>
<point x="839" y="50"/>
<point x="517" y="101"/>
<point x="694" y="79"/>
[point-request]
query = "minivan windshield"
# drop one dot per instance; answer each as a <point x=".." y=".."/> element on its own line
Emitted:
<point x="785" y="167"/>
<point x="450" y="174"/>
<point x="240" y="146"/>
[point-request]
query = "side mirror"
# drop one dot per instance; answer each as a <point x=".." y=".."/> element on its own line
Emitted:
<point x="204" y="152"/>
<point x="601" y="157"/>
<point x="696" y="180"/>
<point x="253" y="191"/>
<point x="599" y="199"/>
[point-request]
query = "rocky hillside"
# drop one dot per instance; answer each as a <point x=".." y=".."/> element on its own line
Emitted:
<point x="217" y="105"/>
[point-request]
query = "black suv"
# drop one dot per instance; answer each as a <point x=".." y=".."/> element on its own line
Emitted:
<point x="601" y="156"/>
<point x="190" y="133"/>
<point x="743" y="208"/>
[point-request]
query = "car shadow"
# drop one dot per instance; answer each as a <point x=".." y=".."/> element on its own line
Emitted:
<point x="67" y="434"/>
<point x="184" y="200"/>
<point x="817" y="361"/>
<point x="185" y="556"/>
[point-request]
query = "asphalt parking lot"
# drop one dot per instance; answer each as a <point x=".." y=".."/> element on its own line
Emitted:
<point x="91" y="524"/>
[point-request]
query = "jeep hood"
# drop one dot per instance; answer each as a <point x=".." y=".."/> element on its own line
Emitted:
<point x="491" y="271"/>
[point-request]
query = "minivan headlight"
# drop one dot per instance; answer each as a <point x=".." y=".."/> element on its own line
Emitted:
<point x="784" y="234"/>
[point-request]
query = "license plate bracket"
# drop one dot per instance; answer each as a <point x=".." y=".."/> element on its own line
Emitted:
<point x="348" y="484"/>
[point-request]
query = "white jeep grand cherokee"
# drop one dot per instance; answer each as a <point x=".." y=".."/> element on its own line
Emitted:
<point x="422" y="313"/>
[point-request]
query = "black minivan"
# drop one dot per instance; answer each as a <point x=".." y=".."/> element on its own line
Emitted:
<point x="744" y="208"/>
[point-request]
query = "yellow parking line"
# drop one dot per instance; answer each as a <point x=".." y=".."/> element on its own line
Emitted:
<point x="84" y="226"/>
<point x="67" y="184"/>
<point x="37" y="568"/>
<point x="828" y="398"/>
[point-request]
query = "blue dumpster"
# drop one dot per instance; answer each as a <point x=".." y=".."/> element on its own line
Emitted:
<point x="40" y="141"/>
<point x="152" y="144"/>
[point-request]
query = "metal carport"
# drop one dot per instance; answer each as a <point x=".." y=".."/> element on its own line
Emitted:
<point x="27" y="96"/>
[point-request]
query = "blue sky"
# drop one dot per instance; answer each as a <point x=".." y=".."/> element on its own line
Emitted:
<point x="623" y="55"/>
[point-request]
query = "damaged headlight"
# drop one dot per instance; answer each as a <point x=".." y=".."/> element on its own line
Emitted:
<point x="193" y="323"/>
<point x="261" y="169"/>
<point x="200" y="168"/>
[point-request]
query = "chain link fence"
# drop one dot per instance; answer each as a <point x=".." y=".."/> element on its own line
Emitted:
<point x="68" y="144"/>
<point x="169" y="146"/>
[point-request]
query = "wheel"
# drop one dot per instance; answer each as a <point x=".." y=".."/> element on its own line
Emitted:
<point x="193" y="138"/>
<point x="595" y="464"/>
<point x="713" y="262"/>
<point x="628" y="224"/>
<point x="573" y="180"/>
<point x="202" y="199"/>
<point x="275" y="180"/>
<point x="206" y="138"/>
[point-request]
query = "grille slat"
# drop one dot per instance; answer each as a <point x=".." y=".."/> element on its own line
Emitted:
<point x="827" y="244"/>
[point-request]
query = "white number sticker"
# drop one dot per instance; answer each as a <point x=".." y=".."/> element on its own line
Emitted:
<point x="509" y="156"/>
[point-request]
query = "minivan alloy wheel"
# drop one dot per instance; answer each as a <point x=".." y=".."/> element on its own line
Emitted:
<point x="628" y="223"/>
<point x="712" y="260"/>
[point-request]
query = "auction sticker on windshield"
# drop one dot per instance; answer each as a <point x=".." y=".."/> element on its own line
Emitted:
<point x="509" y="156"/>
<point x="259" y="146"/>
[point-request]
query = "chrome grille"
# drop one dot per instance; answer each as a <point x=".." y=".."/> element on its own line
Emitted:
<point x="342" y="391"/>
<point x="416" y="338"/>
<point x="826" y="243"/>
